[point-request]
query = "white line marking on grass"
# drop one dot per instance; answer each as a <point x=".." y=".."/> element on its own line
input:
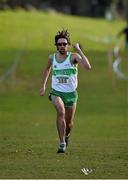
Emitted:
<point x="117" y="70"/>
<point x="116" y="64"/>
<point x="109" y="40"/>
<point x="105" y="40"/>
<point x="15" y="64"/>
<point x="86" y="171"/>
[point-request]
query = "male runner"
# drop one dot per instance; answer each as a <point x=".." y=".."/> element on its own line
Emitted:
<point x="63" y="92"/>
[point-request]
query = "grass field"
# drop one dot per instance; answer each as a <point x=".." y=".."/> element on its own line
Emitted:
<point x="28" y="136"/>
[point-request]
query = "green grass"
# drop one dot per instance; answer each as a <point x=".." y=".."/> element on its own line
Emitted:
<point x="28" y="136"/>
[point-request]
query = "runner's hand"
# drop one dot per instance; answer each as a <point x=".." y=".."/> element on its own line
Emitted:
<point x="76" y="46"/>
<point x="42" y="91"/>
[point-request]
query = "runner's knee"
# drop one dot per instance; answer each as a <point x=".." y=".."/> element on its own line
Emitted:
<point x="70" y="125"/>
<point x="61" y="112"/>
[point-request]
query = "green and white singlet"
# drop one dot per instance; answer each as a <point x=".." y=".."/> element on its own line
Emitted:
<point x="64" y="75"/>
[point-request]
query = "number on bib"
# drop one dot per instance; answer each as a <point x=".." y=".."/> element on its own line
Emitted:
<point x="62" y="80"/>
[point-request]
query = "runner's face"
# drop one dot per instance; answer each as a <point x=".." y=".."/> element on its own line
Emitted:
<point x="62" y="45"/>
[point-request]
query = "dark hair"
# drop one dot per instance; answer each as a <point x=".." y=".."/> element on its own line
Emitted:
<point x="62" y="34"/>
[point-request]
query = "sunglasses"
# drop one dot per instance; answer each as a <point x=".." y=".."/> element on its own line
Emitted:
<point x="60" y="44"/>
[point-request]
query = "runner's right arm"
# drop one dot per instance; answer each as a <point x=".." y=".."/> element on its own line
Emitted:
<point x="45" y="76"/>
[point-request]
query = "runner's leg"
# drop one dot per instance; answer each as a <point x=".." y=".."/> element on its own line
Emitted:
<point x="69" y="117"/>
<point x="61" y="125"/>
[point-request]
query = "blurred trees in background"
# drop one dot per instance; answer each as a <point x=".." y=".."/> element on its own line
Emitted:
<point x="93" y="8"/>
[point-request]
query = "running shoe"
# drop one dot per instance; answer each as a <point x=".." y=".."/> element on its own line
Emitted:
<point x="62" y="148"/>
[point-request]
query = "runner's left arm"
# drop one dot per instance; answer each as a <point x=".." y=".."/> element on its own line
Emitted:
<point x="80" y="57"/>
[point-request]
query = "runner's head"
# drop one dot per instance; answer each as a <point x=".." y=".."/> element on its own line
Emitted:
<point x="64" y="34"/>
<point x="62" y="41"/>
